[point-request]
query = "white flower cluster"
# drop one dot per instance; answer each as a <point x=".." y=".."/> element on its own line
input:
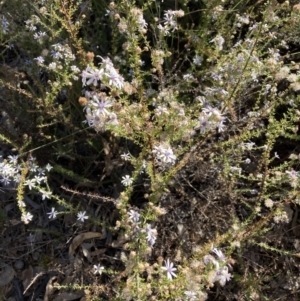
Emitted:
<point x="134" y="22"/>
<point x="139" y="18"/>
<point x="98" y="105"/>
<point x="32" y="22"/>
<point x="62" y="55"/>
<point x="169" y="21"/>
<point x="107" y="74"/>
<point x="164" y="155"/>
<point x="10" y="175"/>
<point x="97" y="111"/>
<point x="210" y="118"/>
<point x="221" y="272"/>
<point x="62" y="52"/>
<point x="188" y="294"/>
<point x="293" y="177"/>
<point x="219" y="42"/>
<point x="10" y="171"/>
<point x="39" y="35"/>
<point x="151" y="233"/>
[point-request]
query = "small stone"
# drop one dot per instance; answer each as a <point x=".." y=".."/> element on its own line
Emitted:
<point x="19" y="264"/>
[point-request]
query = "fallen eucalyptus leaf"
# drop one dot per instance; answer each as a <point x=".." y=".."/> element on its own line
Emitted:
<point x="77" y="241"/>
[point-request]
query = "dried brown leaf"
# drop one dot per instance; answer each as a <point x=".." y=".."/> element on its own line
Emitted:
<point x="77" y="241"/>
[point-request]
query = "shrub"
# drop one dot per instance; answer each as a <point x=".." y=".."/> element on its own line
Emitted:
<point x="179" y="123"/>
